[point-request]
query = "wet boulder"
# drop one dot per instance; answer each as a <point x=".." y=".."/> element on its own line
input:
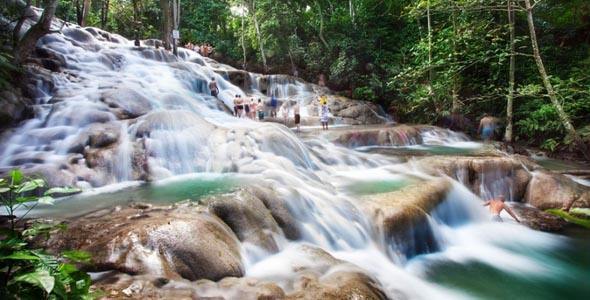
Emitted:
<point x="240" y="78"/>
<point x="485" y="176"/>
<point x="14" y="108"/>
<point x="279" y="209"/>
<point x="536" y="218"/>
<point x="400" y="135"/>
<point x="126" y="102"/>
<point x="102" y="135"/>
<point x="247" y="216"/>
<point x="402" y="215"/>
<point x="550" y="190"/>
<point x="338" y="285"/>
<point x="177" y="242"/>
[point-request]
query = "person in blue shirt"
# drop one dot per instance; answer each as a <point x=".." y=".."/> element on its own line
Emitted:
<point x="273" y="106"/>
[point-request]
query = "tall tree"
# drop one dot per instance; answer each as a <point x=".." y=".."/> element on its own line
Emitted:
<point x="565" y="119"/>
<point x="82" y="11"/>
<point x="242" y="38"/>
<point x="104" y="13"/>
<point x="166" y="23"/>
<point x="510" y="96"/>
<point x="252" y="9"/>
<point x="430" y="74"/>
<point x="26" y="45"/>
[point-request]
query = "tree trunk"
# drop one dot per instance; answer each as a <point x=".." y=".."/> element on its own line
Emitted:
<point x="321" y="34"/>
<point x="104" y="14"/>
<point x="19" y="24"/>
<point x="85" y="12"/>
<point x="430" y="75"/>
<point x="27" y="44"/>
<point x="243" y="42"/>
<point x="176" y="22"/>
<point x="565" y="119"/>
<point x="456" y="105"/>
<point x="258" y="35"/>
<point x="510" y="96"/>
<point x="166" y="23"/>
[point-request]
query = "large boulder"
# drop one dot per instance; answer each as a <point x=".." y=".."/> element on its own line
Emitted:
<point x="316" y="275"/>
<point x="177" y="242"/>
<point x="550" y="190"/>
<point x="14" y="108"/>
<point x="402" y="215"/>
<point x="126" y="102"/>
<point x="279" y="209"/>
<point x="247" y="216"/>
<point x="400" y="135"/>
<point x="536" y="218"/>
<point x="488" y="176"/>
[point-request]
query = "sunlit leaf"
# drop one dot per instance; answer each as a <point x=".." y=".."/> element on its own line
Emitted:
<point x="40" y="278"/>
<point x="62" y="190"/>
<point x="48" y="200"/>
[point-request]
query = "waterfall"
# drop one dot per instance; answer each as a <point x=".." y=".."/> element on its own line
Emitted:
<point x="121" y="113"/>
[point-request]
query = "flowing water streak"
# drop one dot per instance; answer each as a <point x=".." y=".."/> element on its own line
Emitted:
<point x="162" y="107"/>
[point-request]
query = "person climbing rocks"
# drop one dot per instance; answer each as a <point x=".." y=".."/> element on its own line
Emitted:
<point x="273" y="106"/>
<point x="260" y="108"/>
<point x="496" y="206"/>
<point x="487" y="127"/>
<point x="324" y="111"/>
<point x="296" y="112"/>
<point x="213" y="87"/>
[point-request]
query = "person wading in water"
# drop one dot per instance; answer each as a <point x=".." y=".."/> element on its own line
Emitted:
<point x="496" y="206"/>
<point x="487" y="127"/>
<point x="324" y="111"/>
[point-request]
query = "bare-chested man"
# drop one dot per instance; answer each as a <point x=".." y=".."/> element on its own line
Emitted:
<point x="487" y="127"/>
<point x="496" y="206"/>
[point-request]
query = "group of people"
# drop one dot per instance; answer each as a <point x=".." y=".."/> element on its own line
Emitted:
<point x="204" y="49"/>
<point x="248" y="108"/>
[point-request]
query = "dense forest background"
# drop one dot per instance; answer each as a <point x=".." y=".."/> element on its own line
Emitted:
<point x="421" y="60"/>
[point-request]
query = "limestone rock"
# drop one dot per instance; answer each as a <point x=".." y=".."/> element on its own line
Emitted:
<point x="127" y="102"/>
<point x="401" y="215"/>
<point x="537" y="219"/>
<point x="550" y="190"/>
<point x="247" y="216"/>
<point x="484" y="175"/>
<point x="175" y="242"/>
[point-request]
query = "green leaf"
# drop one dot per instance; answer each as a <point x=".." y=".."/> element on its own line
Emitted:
<point x="46" y="200"/>
<point x="40" y="278"/>
<point x="16" y="176"/>
<point x="21" y="255"/>
<point x="77" y="255"/>
<point x="4" y="190"/>
<point x="30" y="185"/>
<point x="62" y="190"/>
<point x="25" y="199"/>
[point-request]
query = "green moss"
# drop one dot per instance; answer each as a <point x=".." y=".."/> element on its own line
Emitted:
<point x="570" y="218"/>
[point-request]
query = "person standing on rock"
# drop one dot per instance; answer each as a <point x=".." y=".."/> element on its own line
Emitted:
<point x="213" y="87"/>
<point x="246" y="108"/>
<point x="260" y="108"/>
<point x="496" y="206"/>
<point x="487" y="127"/>
<point x="236" y="100"/>
<point x="253" y="109"/>
<point x="296" y="111"/>
<point x="273" y="106"/>
<point x="286" y="113"/>
<point x="324" y="111"/>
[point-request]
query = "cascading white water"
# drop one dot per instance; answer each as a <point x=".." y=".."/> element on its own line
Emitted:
<point x="117" y="112"/>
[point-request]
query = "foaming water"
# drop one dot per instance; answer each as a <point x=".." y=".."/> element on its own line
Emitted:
<point x="119" y="113"/>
